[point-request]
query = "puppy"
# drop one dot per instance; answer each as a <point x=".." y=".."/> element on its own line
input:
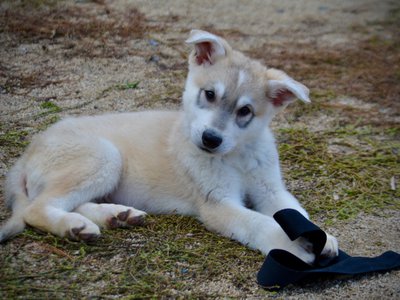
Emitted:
<point x="215" y="159"/>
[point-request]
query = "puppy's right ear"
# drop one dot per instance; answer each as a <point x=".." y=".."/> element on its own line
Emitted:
<point x="283" y="89"/>
<point x="208" y="48"/>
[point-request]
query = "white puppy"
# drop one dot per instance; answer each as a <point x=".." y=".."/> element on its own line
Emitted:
<point x="216" y="159"/>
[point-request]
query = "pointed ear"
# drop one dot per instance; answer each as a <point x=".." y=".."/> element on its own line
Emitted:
<point x="284" y="89"/>
<point x="207" y="47"/>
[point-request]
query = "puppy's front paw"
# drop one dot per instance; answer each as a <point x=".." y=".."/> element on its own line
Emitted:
<point x="331" y="248"/>
<point x="303" y="249"/>
<point x="300" y="247"/>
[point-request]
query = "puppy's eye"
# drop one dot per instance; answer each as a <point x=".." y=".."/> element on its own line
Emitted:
<point x="244" y="111"/>
<point x="210" y="96"/>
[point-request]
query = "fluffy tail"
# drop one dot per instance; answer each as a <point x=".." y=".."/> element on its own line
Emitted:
<point x="17" y="199"/>
<point x="12" y="227"/>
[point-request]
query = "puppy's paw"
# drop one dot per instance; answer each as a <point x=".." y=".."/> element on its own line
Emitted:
<point x="82" y="234"/>
<point x="300" y="247"/>
<point x="306" y="253"/>
<point x="303" y="249"/>
<point x="331" y="248"/>
<point x="110" y="215"/>
<point x="126" y="218"/>
<point x="78" y="228"/>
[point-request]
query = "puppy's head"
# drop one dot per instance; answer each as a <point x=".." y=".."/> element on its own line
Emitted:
<point x="230" y="99"/>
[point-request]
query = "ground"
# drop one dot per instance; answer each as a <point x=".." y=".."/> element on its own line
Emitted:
<point x="340" y="155"/>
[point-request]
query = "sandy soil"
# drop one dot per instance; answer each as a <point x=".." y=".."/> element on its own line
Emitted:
<point x="81" y="76"/>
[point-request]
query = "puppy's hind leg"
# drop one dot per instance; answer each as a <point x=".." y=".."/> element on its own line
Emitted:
<point x="92" y="171"/>
<point x="55" y="219"/>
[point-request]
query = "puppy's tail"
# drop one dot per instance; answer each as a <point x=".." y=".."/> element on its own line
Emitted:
<point x="17" y="199"/>
<point x="12" y="226"/>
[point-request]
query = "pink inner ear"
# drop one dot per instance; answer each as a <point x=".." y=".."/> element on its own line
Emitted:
<point x="203" y="52"/>
<point x="281" y="97"/>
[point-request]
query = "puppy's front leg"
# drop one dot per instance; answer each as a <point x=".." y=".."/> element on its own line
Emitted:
<point x="270" y="201"/>
<point x="250" y="228"/>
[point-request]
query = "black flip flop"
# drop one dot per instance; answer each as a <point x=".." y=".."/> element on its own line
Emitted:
<point x="282" y="268"/>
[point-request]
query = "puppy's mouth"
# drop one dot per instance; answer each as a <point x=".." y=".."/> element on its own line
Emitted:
<point x="207" y="150"/>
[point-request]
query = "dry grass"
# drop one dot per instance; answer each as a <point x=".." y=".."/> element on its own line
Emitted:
<point x="73" y="21"/>
<point x="368" y="70"/>
<point x="12" y="80"/>
<point x="86" y="29"/>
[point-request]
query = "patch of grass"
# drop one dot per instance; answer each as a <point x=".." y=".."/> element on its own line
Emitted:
<point x="319" y="94"/>
<point x="50" y="120"/>
<point x="127" y="86"/>
<point x="50" y="107"/>
<point x="169" y="257"/>
<point x="120" y="87"/>
<point x="341" y="186"/>
<point x="319" y="99"/>
<point x="12" y="142"/>
<point x="14" y="139"/>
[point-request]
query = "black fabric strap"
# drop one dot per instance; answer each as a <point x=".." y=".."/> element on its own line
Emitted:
<point x="282" y="268"/>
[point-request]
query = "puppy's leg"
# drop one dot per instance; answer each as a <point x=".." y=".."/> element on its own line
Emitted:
<point x="78" y="170"/>
<point x="250" y="228"/>
<point x="271" y="202"/>
<point x="50" y="218"/>
<point x="107" y="215"/>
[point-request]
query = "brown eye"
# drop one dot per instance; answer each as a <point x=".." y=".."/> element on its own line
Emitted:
<point x="210" y="96"/>
<point x="244" y="111"/>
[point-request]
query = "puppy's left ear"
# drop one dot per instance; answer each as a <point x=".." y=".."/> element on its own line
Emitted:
<point x="284" y="89"/>
<point x="208" y="48"/>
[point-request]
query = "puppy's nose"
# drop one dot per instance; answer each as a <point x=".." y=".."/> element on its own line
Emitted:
<point x="211" y="139"/>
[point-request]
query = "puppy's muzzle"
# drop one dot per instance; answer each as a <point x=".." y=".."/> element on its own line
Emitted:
<point x="211" y="140"/>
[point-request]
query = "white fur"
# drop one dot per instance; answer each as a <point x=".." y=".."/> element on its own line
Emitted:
<point x="244" y="100"/>
<point x="241" y="78"/>
<point x="157" y="163"/>
<point x="220" y="88"/>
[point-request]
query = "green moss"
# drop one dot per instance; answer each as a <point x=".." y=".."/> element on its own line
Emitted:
<point x="127" y="86"/>
<point x="50" y="120"/>
<point x="318" y="94"/>
<point x="50" y="107"/>
<point x="339" y="186"/>
<point x="120" y="87"/>
<point x="14" y="138"/>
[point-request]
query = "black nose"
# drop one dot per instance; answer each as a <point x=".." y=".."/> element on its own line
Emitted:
<point x="211" y="139"/>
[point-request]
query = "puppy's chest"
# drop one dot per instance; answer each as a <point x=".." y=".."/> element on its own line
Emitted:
<point x="250" y="162"/>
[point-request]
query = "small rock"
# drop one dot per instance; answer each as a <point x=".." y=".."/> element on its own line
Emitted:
<point x="153" y="43"/>
<point x="154" y="58"/>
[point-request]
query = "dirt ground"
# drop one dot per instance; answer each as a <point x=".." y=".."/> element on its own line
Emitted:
<point x="60" y="58"/>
